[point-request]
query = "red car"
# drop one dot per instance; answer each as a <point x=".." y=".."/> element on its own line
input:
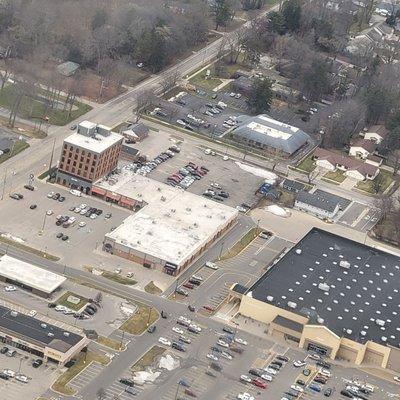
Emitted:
<point x="259" y="383"/>
<point x="209" y="308"/>
<point x="188" y="285"/>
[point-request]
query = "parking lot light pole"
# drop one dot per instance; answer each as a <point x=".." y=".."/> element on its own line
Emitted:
<point x="220" y="251"/>
<point x="122" y="340"/>
<point x="20" y="363"/>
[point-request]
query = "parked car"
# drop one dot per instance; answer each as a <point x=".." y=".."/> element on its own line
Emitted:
<point x="127" y="382"/>
<point x="151" y="328"/>
<point x="33" y="206"/>
<point x="29" y="187"/>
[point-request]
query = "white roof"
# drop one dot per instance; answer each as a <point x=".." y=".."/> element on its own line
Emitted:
<point x="29" y="274"/>
<point x="173" y="225"/>
<point x="96" y="144"/>
<point x="87" y="124"/>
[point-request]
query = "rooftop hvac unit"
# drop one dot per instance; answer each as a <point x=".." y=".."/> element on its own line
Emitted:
<point x="159" y="189"/>
<point x="173" y="210"/>
<point x="163" y="198"/>
<point x="363" y="333"/>
<point x="384" y="338"/>
<point x="344" y="264"/>
<point x="44" y="326"/>
<point x="298" y="251"/>
<point x="324" y="287"/>
<point x="320" y="320"/>
<point x="349" y="331"/>
<point x="292" y="304"/>
<point x="380" y="322"/>
<point x="270" y="298"/>
<point x="196" y="224"/>
<point x="66" y="334"/>
<point x="13" y="313"/>
<point x="188" y="209"/>
<point x="50" y="334"/>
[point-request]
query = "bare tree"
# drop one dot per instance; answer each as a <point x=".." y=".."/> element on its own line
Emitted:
<point x="377" y="183"/>
<point x="170" y="80"/>
<point x="144" y="100"/>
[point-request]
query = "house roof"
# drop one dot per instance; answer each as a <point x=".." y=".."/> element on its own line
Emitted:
<point x="288" y="183"/>
<point x="350" y="163"/>
<point x="373" y="158"/>
<point x="316" y="201"/>
<point x="140" y="129"/>
<point x="272" y="133"/>
<point x="379" y="130"/>
<point x="68" y="68"/>
<point x="367" y="145"/>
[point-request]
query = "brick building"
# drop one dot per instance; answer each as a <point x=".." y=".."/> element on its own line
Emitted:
<point x="88" y="155"/>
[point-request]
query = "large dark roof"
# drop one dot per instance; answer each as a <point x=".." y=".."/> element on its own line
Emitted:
<point x="30" y="329"/>
<point x="358" y="296"/>
<point x="288" y="323"/>
<point x="314" y="200"/>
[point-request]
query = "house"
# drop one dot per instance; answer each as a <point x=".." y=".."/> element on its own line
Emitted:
<point x="376" y="133"/>
<point x="374" y="160"/>
<point x="362" y="148"/>
<point x="316" y="205"/>
<point x="136" y="132"/>
<point x="267" y="134"/>
<point x="352" y="168"/>
<point x="68" y="68"/>
<point x="293" y="186"/>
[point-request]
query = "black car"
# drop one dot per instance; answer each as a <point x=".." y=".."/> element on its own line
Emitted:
<point x="229" y="330"/>
<point x="216" y="349"/>
<point x="59" y="235"/>
<point x="223" y="194"/>
<point x="256" y="372"/>
<point x="346" y="393"/>
<point x="61" y="199"/>
<point x="64" y="238"/>
<point x="99" y="211"/>
<point x="178" y="346"/>
<point x="216" y="366"/>
<point x="70" y="363"/>
<point x="52" y="305"/>
<point x="89" y="311"/>
<point x="328" y="392"/>
<point x="300" y="382"/>
<point x="37" y="363"/>
<point x="56" y="196"/>
<point x="33" y="206"/>
<point x="151" y="329"/>
<point x="4" y="376"/>
<point x="163" y="314"/>
<point x="92" y="307"/>
<point x="29" y="187"/>
<point x="88" y="213"/>
<point x="4" y="350"/>
<point x="127" y="382"/>
<point x="282" y="358"/>
<point x="191" y="308"/>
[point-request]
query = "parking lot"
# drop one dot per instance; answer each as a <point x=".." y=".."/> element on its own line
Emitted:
<point x="239" y="184"/>
<point x="39" y="379"/>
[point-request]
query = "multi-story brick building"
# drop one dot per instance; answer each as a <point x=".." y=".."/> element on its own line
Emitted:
<point x="87" y="155"/>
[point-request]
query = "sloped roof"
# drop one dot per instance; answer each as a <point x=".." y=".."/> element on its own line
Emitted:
<point x="365" y="144"/>
<point x="316" y="201"/>
<point x="379" y="130"/>
<point x="272" y="133"/>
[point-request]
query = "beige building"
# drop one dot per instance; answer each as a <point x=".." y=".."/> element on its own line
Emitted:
<point x="332" y="296"/>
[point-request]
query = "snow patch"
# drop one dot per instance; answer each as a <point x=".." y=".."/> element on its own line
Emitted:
<point x="279" y="211"/>
<point x="11" y="237"/>
<point x="168" y="362"/>
<point x="141" y="377"/>
<point x="269" y="177"/>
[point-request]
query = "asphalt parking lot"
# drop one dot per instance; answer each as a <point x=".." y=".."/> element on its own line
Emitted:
<point x="240" y="184"/>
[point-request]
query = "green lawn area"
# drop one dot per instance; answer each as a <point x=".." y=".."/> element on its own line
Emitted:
<point x="148" y="359"/>
<point x="246" y="239"/>
<point x="34" y="109"/>
<point x="61" y="383"/>
<point x="200" y="80"/>
<point x="111" y="343"/>
<point x="385" y="179"/>
<point x="141" y="320"/>
<point x="19" y="146"/>
<point x="123" y="280"/>
<point x="63" y="301"/>
<point x="337" y="176"/>
<point x="307" y="164"/>
<point x="152" y="288"/>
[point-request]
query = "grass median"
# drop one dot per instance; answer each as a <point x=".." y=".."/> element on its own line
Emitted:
<point x="241" y="244"/>
<point x="152" y="288"/>
<point x="84" y="359"/>
<point x="123" y="280"/>
<point x="140" y="320"/>
<point x="111" y="343"/>
<point x="148" y="358"/>
<point x="20" y="145"/>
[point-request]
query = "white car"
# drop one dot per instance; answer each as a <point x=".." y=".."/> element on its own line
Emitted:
<point x="195" y="327"/>
<point x="83" y="205"/>
<point x="197" y="277"/>
<point x="177" y="330"/>
<point x="216" y="185"/>
<point x="226" y="355"/>
<point x="245" y="378"/>
<point x="164" y="341"/>
<point x="82" y="224"/>
<point x="266" y="377"/>
<point x="232" y="94"/>
<point x="238" y="96"/>
<point x="212" y="357"/>
<point x="78" y="210"/>
<point x="185" y="319"/>
<point x="396" y="378"/>
<point x="270" y="371"/>
<point x="180" y="122"/>
<point x="299" y="364"/>
<point x="245" y="396"/>
<point x="50" y="195"/>
<point x="225" y="158"/>
<point x="240" y="341"/>
<point x="83" y="211"/>
<point x="10" y="288"/>
<point x="118" y="270"/>
<point x="61" y="308"/>
<point x="297" y="388"/>
<point x="211" y="265"/>
<point x="76" y="192"/>
<point x="49" y="212"/>
<point x="93" y="216"/>
<point x="222" y="343"/>
<point x="9" y="372"/>
<point x="21" y="378"/>
<point x="325" y="372"/>
<point x="32" y="313"/>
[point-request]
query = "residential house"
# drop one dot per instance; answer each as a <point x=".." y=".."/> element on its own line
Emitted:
<point x="293" y="186"/>
<point x="362" y="148"/>
<point x="376" y="133"/>
<point x="68" y="68"/>
<point x="316" y="205"/>
<point x="374" y="160"/>
<point x="352" y="168"/>
<point x="136" y="132"/>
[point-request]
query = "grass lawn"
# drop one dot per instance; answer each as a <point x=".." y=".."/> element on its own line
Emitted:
<point x="20" y="145"/>
<point x="141" y="320"/>
<point x="123" y="280"/>
<point x="246" y="239"/>
<point x="148" y="359"/>
<point x="307" y="164"/>
<point x="200" y="80"/>
<point x="368" y="186"/>
<point x="34" y="109"/>
<point x="337" y="176"/>
<point x="61" y="383"/>
<point x="62" y="301"/>
<point x="152" y="288"/>
<point x="111" y="343"/>
<point x="28" y="249"/>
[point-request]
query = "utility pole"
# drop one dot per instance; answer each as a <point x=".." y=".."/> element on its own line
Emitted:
<point x="122" y="340"/>
<point x="4" y="184"/>
<point x="51" y="156"/>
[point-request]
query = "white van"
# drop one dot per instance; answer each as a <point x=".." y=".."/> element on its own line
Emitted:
<point x="76" y="192"/>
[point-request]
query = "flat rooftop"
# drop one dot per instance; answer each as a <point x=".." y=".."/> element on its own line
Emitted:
<point x="96" y="144"/>
<point x="361" y="297"/>
<point x="34" y="330"/>
<point x="173" y="225"/>
<point x="29" y="275"/>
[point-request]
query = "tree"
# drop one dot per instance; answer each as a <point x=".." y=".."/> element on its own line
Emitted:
<point x="378" y="102"/>
<point x="316" y="80"/>
<point x="252" y="4"/>
<point x="276" y="22"/>
<point x="144" y="100"/>
<point x="260" y="96"/>
<point x="385" y="204"/>
<point x="169" y="81"/>
<point x="222" y="11"/>
<point x="291" y="12"/>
